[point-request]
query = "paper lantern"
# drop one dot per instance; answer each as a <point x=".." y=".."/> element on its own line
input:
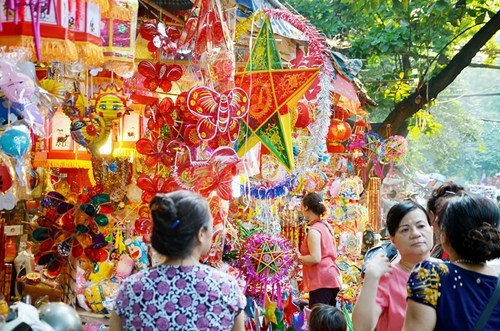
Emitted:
<point x="84" y="21"/>
<point x="337" y="132"/>
<point x="304" y="115"/>
<point x="47" y="36"/>
<point x="118" y="32"/>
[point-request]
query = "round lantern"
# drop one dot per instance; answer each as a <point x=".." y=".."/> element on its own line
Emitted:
<point x="337" y="132"/>
<point x="304" y="115"/>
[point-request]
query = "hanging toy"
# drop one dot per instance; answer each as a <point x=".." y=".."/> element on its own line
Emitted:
<point x="20" y="89"/>
<point x="16" y="142"/>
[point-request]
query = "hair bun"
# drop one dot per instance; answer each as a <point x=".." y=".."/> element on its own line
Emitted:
<point x="484" y="241"/>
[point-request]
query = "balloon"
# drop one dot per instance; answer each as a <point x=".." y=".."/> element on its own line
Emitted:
<point x="15" y="142"/>
<point x="16" y="86"/>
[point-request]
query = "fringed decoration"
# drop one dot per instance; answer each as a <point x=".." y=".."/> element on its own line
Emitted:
<point x="52" y="50"/>
<point x="89" y="54"/>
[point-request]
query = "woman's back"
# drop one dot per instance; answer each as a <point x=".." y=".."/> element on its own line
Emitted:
<point x="458" y="295"/>
<point x="179" y="298"/>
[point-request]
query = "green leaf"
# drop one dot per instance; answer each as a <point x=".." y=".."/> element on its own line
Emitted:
<point x="414" y="132"/>
<point x="480" y="18"/>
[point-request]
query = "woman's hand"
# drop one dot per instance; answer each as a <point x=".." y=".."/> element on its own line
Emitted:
<point x="377" y="267"/>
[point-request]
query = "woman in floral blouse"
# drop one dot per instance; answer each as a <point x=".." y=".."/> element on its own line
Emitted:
<point x="181" y="294"/>
<point x="452" y="296"/>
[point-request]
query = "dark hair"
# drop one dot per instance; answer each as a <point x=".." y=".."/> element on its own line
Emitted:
<point x="327" y="318"/>
<point x="471" y="224"/>
<point x="398" y="211"/>
<point x="447" y="190"/>
<point x="314" y="202"/>
<point x="177" y="219"/>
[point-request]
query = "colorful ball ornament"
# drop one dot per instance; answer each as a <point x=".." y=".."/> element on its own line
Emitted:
<point x="394" y="149"/>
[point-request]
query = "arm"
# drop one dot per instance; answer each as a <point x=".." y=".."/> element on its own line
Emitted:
<point x="239" y="322"/>
<point x="367" y="312"/>
<point x="314" y="243"/>
<point x="419" y="317"/>
<point x="115" y="324"/>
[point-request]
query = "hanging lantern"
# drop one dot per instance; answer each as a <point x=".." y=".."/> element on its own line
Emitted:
<point x="304" y="115"/>
<point x="337" y="132"/>
<point x="84" y="22"/>
<point x="47" y="36"/>
<point x="118" y="32"/>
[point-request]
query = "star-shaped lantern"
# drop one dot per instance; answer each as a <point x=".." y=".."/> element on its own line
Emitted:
<point x="266" y="259"/>
<point x="271" y="90"/>
<point x="289" y="309"/>
<point x="270" y="311"/>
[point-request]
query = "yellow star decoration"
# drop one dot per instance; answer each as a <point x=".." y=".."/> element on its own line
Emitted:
<point x="266" y="259"/>
<point x="271" y="90"/>
<point x="270" y="311"/>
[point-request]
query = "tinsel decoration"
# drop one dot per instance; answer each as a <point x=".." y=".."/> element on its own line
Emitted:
<point x="317" y="140"/>
<point x="374" y="217"/>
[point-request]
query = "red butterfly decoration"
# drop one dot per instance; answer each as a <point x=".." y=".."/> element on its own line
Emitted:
<point x="159" y="75"/>
<point x="160" y="36"/>
<point x="155" y="185"/>
<point x="218" y="113"/>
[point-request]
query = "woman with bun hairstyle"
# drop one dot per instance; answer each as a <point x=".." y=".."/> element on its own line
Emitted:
<point x="453" y="296"/>
<point x="180" y="294"/>
<point x="321" y="276"/>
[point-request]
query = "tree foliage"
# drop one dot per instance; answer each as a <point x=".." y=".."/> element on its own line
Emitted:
<point x="411" y="52"/>
<point x="403" y="44"/>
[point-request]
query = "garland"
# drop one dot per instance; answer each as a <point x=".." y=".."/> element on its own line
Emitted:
<point x="261" y="191"/>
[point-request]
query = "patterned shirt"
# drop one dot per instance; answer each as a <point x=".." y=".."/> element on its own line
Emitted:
<point x="179" y="298"/>
<point x="459" y="296"/>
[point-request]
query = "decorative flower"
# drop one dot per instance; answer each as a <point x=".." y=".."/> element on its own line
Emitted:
<point x="159" y="75"/>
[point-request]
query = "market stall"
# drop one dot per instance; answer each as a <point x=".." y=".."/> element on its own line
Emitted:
<point x="245" y="105"/>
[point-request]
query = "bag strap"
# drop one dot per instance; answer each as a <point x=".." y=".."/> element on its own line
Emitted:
<point x="481" y="323"/>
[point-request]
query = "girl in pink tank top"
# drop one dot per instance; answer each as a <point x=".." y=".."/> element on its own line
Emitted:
<point x="321" y="276"/>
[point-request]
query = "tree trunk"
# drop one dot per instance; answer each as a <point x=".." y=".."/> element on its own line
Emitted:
<point x="395" y="123"/>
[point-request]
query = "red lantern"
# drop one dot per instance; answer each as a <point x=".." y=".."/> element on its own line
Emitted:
<point x="340" y="113"/>
<point x="303" y="115"/>
<point x="337" y="132"/>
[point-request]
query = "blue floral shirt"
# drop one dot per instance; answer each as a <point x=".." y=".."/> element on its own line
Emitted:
<point x="459" y="296"/>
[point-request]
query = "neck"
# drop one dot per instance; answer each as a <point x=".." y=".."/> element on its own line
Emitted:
<point x="469" y="262"/>
<point x="406" y="265"/>
<point x="183" y="262"/>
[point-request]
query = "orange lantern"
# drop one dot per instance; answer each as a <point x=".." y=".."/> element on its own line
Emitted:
<point x="337" y="132"/>
<point x="47" y="36"/>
